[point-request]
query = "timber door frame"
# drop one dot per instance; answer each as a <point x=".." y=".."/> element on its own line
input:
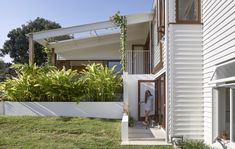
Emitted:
<point x="139" y="85"/>
<point x="159" y="99"/>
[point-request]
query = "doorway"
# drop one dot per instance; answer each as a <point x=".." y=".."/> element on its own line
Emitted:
<point x="157" y="88"/>
<point x="144" y="85"/>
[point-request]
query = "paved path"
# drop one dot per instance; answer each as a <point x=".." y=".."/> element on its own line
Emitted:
<point x="139" y="135"/>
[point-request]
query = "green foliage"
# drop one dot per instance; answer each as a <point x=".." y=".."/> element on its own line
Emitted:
<point x="48" y="52"/>
<point x="131" y="122"/>
<point x="100" y="83"/>
<point x="17" y="45"/>
<point x="194" y="144"/>
<point x="61" y="85"/>
<point x="121" y="21"/>
<point x="45" y="83"/>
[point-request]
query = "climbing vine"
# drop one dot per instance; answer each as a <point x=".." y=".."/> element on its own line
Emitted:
<point x="121" y="21"/>
<point x="48" y="52"/>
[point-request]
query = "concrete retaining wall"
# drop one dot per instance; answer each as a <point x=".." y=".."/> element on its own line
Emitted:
<point x="1" y="107"/>
<point x="111" y="110"/>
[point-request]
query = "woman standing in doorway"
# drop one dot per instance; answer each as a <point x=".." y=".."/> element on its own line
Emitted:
<point x="148" y="106"/>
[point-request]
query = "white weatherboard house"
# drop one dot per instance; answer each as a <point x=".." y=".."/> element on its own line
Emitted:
<point x="183" y="51"/>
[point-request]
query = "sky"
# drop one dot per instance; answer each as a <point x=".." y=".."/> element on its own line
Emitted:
<point x="14" y="13"/>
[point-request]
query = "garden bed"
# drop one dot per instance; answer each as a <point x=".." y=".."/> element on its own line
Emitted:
<point x="111" y="110"/>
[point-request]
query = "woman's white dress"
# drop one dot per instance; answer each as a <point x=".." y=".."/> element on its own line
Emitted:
<point x="148" y="106"/>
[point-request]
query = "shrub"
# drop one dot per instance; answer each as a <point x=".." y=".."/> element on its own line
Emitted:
<point x="45" y="83"/>
<point x="194" y="144"/>
<point x="61" y="85"/>
<point x="100" y="83"/>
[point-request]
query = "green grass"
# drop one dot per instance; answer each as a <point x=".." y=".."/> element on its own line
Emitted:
<point x="61" y="132"/>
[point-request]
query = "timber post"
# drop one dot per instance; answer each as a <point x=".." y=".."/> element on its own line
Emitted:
<point x="31" y="49"/>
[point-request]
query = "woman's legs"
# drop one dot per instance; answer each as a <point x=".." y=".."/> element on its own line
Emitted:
<point x="146" y="116"/>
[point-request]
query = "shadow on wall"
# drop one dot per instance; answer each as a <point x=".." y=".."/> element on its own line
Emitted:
<point x="111" y="110"/>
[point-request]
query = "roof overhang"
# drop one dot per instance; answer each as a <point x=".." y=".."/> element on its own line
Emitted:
<point x="133" y="19"/>
<point x="137" y="32"/>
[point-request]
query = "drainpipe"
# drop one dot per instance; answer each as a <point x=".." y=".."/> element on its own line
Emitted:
<point x="232" y="110"/>
<point x="150" y="48"/>
<point x="167" y="68"/>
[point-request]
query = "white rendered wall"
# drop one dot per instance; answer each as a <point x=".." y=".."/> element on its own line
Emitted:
<point x="218" y="47"/>
<point x="185" y="45"/>
<point x="111" y="110"/>
<point x="124" y="129"/>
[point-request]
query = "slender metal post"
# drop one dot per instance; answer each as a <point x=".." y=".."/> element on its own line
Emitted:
<point x="232" y="139"/>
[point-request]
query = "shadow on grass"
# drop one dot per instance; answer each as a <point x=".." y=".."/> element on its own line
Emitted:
<point x="64" y="119"/>
<point x="103" y="119"/>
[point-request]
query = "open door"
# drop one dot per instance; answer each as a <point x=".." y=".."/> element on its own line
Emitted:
<point x="144" y="85"/>
<point x="157" y="88"/>
<point x="161" y="102"/>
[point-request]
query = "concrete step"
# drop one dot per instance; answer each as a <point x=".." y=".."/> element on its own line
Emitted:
<point x="146" y="139"/>
<point x="145" y="143"/>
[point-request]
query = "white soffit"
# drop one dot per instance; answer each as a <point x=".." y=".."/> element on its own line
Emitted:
<point x="131" y="19"/>
<point x="134" y="33"/>
<point x="224" y="73"/>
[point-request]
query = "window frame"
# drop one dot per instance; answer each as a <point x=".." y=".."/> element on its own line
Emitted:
<point x="160" y="21"/>
<point x="116" y="61"/>
<point x="178" y="21"/>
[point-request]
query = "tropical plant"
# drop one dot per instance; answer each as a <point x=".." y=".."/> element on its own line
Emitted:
<point x="61" y="85"/>
<point x="44" y="83"/>
<point x="100" y="83"/>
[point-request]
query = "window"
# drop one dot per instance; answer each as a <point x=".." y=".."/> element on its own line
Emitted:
<point x="79" y="65"/>
<point x="158" y="28"/>
<point x="162" y="17"/>
<point x="118" y="68"/>
<point x="188" y="11"/>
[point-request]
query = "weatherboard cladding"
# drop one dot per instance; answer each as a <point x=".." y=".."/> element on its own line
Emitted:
<point x="218" y="46"/>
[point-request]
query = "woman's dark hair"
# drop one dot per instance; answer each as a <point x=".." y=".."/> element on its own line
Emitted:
<point x="147" y="91"/>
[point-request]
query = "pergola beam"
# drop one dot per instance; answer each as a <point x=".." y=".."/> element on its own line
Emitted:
<point x="72" y="30"/>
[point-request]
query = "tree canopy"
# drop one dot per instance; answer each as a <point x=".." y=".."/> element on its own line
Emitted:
<point x="17" y="45"/>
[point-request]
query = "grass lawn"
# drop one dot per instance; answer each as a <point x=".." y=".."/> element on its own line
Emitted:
<point x="61" y="132"/>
